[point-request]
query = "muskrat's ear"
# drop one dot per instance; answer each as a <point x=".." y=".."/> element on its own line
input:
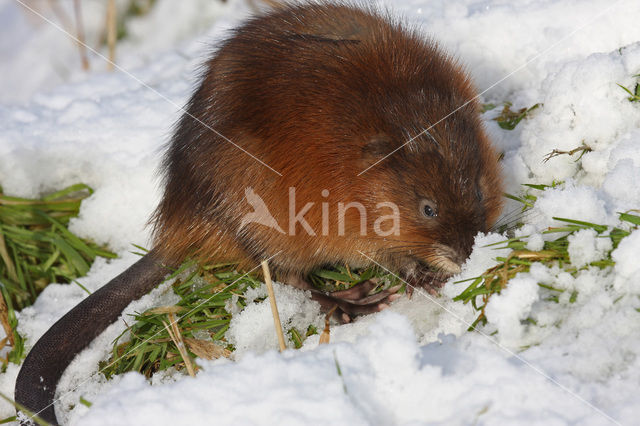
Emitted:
<point x="376" y="148"/>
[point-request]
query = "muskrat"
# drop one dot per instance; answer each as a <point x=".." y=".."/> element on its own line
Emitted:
<point x="296" y="115"/>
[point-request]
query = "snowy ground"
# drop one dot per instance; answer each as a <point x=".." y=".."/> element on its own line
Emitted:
<point x="579" y="363"/>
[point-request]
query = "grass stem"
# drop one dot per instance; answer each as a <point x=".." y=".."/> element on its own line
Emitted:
<point x="274" y="306"/>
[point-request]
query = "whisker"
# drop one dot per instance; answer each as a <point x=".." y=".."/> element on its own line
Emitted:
<point x="517" y="212"/>
<point x="510" y="223"/>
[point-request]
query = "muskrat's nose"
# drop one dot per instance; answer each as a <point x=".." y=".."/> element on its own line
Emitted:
<point x="464" y="252"/>
<point x="461" y="249"/>
<point x="454" y="269"/>
<point x="447" y="259"/>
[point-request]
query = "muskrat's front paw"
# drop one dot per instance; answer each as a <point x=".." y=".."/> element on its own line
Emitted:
<point x="350" y="302"/>
<point x="357" y="300"/>
<point x="431" y="282"/>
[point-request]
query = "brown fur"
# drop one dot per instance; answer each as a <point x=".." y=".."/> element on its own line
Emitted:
<point x="319" y="93"/>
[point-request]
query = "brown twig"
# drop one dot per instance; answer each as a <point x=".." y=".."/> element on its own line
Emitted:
<point x="325" y="337"/>
<point x="176" y="336"/>
<point x="556" y="152"/>
<point x="274" y="306"/>
<point x="207" y="350"/>
<point x="80" y="32"/>
<point x="4" y="319"/>
<point x="61" y="15"/>
<point x="111" y="33"/>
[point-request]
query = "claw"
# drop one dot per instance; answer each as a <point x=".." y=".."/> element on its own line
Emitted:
<point x="354" y="301"/>
<point x="394" y="297"/>
<point x="433" y="286"/>
<point x="409" y="290"/>
<point x="356" y="292"/>
<point x="382" y="307"/>
<point x="430" y="281"/>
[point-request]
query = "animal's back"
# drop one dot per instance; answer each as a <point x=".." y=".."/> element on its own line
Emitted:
<point x="302" y="90"/>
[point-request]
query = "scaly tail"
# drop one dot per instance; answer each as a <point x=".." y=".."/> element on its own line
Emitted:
<point x="43" y="367"/>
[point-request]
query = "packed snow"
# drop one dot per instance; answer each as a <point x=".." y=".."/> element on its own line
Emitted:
<point x="535" y="362"/>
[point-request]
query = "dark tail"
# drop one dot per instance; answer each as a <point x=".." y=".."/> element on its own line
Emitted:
<point x="43" y="367"/>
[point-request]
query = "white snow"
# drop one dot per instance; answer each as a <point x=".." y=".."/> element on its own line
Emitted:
<point x="513" y="305"/>
<point x="253" y="330"/>
<point x="627" y="266"/>
<point x="569" y="361"/>
<point x="585" y="247"/>
<point x="387" y="378"/>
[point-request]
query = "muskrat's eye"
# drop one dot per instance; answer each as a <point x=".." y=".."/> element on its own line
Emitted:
<point x="428" y="209"/>
<point x="479" y="195"/>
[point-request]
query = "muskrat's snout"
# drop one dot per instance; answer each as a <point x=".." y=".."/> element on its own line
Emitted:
<point x="447" y="259"/>
<point x="456" y="237"/>
<point x="441" y="262"/>
<point x="463" y="250"/>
